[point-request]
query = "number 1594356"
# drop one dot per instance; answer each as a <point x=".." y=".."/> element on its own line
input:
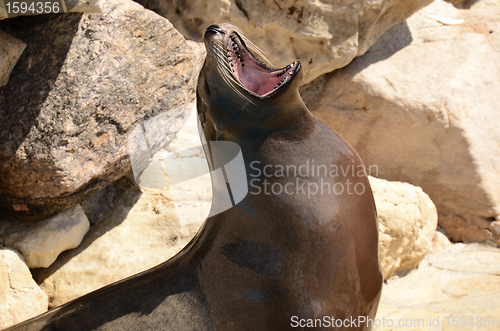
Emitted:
<point x="32" y="7"/>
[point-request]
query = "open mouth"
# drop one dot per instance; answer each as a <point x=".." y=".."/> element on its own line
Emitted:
<point x="254" y="75"/>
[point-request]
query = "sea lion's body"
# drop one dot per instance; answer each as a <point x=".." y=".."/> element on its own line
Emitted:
<point x="273" y="261"/>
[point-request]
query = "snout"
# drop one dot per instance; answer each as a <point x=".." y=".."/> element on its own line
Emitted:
<point x="213" y="29"/>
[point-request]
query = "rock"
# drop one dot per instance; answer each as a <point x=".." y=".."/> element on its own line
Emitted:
<point x="85" y="6"/>
<point x="142" y="227"/>
<point x="323" y="35"/>
<point x="84" y="82"/>
<point x="461" y="283"/>
<point x="484" y="3"/>
<point x="407" y="223"/>
<point x="20" y="296"/>
<point x="131" y="236"/>
<point x="440" y="242"/>
<point x="468" y="227"/>
<point x="425" y="111"/>
<point x="407" y="217"/>
<point x="182" y="167"/>
<point x="140" y="231"/>
<point x="79" y="6"/>
<point x="99" y="203"/>
<point x="474" y="4"/>
<point x="41" y="242"/>
<point x="10" y="50"/>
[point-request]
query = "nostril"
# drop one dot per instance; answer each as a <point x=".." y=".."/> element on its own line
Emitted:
<point x="212" y="29"/>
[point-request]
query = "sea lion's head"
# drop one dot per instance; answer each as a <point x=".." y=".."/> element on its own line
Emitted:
<point x="238" y="92"/>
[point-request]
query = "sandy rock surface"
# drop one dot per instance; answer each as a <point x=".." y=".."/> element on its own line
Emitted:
<point x="456" y="289"/>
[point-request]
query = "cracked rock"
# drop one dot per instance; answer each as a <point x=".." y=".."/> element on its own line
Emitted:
<point x="323" y="35"/>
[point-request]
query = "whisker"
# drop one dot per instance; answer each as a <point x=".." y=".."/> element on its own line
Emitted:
<point x="256" y="50"/>
<point x="222" y="66"/>
<point x="251" y="46"/>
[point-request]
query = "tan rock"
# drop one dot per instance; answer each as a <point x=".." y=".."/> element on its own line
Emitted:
<point x="192" y="198"/>
<point x="140" y="230"/>
<point x="323" y="35"/>
<point x="3" y="12"/>
<point x="11" y="49"/>
<point x="453" y="286"/>
<point x="41" y="242"/>
<point x="439" y="243"/>
<point x="407" y="223"/>
<point x="468" y="227"/>
<point x="484" y="3"/>
<point x="86" y="6"/>
<point x="425" y="112"/>
<point x="477" y="258"/>
<point x="182" y="167"/>
<point x="475" y="4"/>
<point x="20" y="296"/>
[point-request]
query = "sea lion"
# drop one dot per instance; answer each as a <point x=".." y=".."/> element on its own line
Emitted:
<point x="300" y="250"/>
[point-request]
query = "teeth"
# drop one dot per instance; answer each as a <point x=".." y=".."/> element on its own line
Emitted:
<point x="234" y="54"/>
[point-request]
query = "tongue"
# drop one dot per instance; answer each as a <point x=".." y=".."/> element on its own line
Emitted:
<point x="256" y="79"/>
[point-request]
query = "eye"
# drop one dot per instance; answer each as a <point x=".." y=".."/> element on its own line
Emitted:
<point x="207" y="89"/>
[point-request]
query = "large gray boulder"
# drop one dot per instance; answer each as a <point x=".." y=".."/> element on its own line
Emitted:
<point x="82" y="84"/>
